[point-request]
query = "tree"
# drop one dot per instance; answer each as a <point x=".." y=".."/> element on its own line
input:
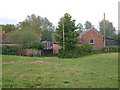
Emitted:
<point x="47" y="29"/>
<point x="109" y="29"/>
<point x="37" y="46"/>
<point x="23" y="38"/>
<point x="31" y="22"/>
<point x="46" y="35"/>
<point x="46" y="25"/>
<point x="80" y="27"/>
<point x="70" y="35"/>
<point x="118" y="36"/>
<point x="88" y="25"/>
<point x="37" y="24"/>
<point x="8" y="28"/>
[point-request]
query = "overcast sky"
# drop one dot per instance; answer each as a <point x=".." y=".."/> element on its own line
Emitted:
<point x="14" y="11"/>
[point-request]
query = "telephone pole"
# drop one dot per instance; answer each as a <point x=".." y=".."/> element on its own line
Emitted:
<point x="104" y="30"/>
<point x="63" y="36"/>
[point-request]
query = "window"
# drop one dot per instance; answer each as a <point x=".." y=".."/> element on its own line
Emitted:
<point x="91" y="40"/>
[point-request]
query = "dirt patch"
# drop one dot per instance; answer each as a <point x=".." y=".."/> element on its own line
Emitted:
<point x="51" y="57"/>
<point x="37" y="62"/>
<point x="13" y="62"/>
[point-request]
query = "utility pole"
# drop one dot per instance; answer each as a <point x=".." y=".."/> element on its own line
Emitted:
<point x="104" y="30"/>
<point x="63" y="36"/>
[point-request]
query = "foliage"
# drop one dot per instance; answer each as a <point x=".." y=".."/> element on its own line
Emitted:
<point x="88" y="25"/>
<point x="38" y="25"/>
<point x="46" y="25"/>
<point x="79" y="27"/>
<point x="32" y="22"/>
<point x="94" y="71"/>
<point x="24" y="38"/>
<point x="37" y="46"/>
<point x="70" y="35"/>
<point x="67" y="53"/>
<point x="118" y="36"/>
<point x="8" y="28"/>
<point x="85" y="49"/>
<point x="82" y="50"/>
<point x="10" y="50"/>
<point x="46" y="35"/>
<point x="109" y="29"/>
<point x="107" y="49"/>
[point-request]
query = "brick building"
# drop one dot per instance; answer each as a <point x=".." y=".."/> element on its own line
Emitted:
<point x="90" y="36"/>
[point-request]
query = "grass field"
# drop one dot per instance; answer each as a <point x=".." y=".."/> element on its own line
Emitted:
<point x="95" y="71"/>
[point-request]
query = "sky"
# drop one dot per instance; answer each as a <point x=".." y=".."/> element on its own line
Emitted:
<point x="15" y="11"/>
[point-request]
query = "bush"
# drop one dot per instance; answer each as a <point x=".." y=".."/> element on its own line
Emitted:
<point x="10" y="50"/>
<point x="37" y="45"/>
<point x="107" y="49"/>
<point x="82" y="50"/>
<point x="85" y="49"/>
<point x="67" y="53"/>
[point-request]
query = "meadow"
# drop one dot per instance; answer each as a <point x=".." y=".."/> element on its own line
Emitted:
<point x="93" y="71"/>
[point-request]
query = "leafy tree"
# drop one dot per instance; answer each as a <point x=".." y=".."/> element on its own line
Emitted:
<point x="8" y="28"/>
<point x="88" y="25"/>
<point x="37" y="46"/>
<point x="47" y="29"/>
<point x="70" y="35"/>
<point x="108" y="27"/>
<point x="37" y="24"/>
<point x="46" y="35"/>
<point x="80" y="27"/>
<point x="46" y="25"/>
<point x="31" y="22"/>
<point x="23" y="38"/>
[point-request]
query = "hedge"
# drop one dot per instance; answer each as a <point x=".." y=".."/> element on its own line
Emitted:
<point x="9" y="50"/>
<point x="86" y="49"/>
<point x="82" y="50"/>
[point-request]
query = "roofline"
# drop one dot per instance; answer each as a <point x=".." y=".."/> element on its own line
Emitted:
<point x="89" y="30"/>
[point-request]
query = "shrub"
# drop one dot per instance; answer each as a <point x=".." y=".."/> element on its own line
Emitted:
<point x="82" y="50"/>
<point x="107" y="49"/>
<point x="85" y="49"/>
<point x="37" y="45"/>
<point x="10" y="50"/>
<point x="67" y="53"/>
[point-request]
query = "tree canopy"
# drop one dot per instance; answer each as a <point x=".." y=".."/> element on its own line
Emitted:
<point x="8" y="28"/>
<point x="109" y="29"/>
<point x="70" y="35"/>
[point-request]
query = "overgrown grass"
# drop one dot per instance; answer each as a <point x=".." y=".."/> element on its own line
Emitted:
<point x="95" y="71"/>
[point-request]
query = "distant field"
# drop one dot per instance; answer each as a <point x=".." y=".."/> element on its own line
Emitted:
<point x="95" y="71"/>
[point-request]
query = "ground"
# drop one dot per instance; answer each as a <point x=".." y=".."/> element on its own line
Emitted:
<point x="94" y="71"/>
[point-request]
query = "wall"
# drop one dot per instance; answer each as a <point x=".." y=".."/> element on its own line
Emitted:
<point x="56" y="48"/>
<point x="98" y="38"/>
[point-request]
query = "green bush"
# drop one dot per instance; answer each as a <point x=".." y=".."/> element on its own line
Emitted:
<point x="10" y="50"/>
<point x="108" y="49"/>
<point x="37" y="45"/>
<point x="82" y="50"/>
<point x="67" y="53"/>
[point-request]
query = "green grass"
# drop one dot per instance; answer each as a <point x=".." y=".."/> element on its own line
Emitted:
<point x="95" y="71"/>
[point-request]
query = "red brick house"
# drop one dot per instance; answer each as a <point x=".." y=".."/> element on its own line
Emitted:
<point x="92" y="37"/>
<point x="89" y="36"/>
